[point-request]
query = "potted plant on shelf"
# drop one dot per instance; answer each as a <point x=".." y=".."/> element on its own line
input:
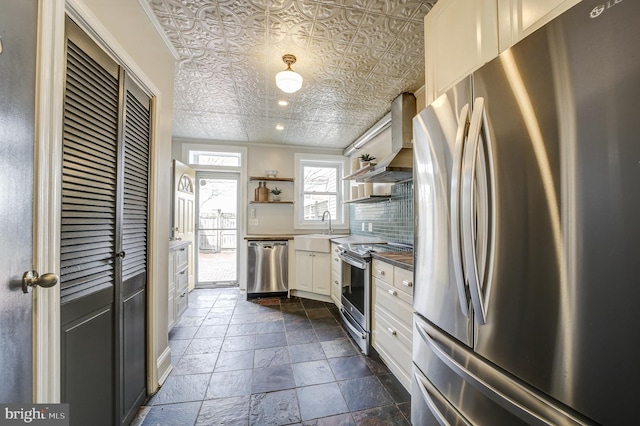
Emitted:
<point x="276" y="193"/>
<point x="365" y="160"/>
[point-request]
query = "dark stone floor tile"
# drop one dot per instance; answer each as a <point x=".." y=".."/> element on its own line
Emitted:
<point x="274" y="408"/>
<point x="318" y="313"/>
<point x="321" y="401"/>
<point x="300" y="324"/>
<point x="306" y="352"/>
<point x="270" y="357"/>
<point x="211" y="331"/>
<point x="245" y="308"/>
<point x="270" y="340"/>
<point x="383" y="416"/>
<point x="339" y="348"/>
<point x="230" y="383"/>
<point x="182" y="389"/>
<point x="364" y="393"/>
<point x="230" y="361"/>
<point x="215" y="319"/>
<point x="178" y="347"/>
<point x="195" y="364"/>
<point x="330" y="333"/>
<point x="275" y="378"/>
<point x="312" y="373"/>
<point x="184" y="413"/>
<point x="238" y="343"/>
<point x="243" y="318"/>
<point x="298" y="337"/>
<point x="208" y="345"/>
<point x="349" y="367"/>
<point x="405" y="409"/>
<point x="394" y="388"/>
<point x="196" y="312"/>
<point x="227" y="411"/>
<point x="339" y="420"/>
<point x="291" y="307"/>
<point x="376" y="365"/>
<point x="182" y="333"/>
<point x="324" y="322"/>
<point x="190" y="321"/>
<point x="269" y="316"/>
<point x="312" y="304"/>
<point x="270" y="327"/>
<point x="241" y="329"/>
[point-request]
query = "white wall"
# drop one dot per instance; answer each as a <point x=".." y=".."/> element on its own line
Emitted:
<point x="128" y="24"/>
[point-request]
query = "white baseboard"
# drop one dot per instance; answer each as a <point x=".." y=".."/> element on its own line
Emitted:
<point x="164" y="367"/>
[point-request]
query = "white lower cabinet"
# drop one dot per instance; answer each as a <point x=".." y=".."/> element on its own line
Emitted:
<point x="392" y="321"/>
<point x="178" y="297"/>
<point x="313" y="272"/>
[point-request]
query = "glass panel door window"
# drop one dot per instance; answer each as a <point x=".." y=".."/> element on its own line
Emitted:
<point x="217" y="231"/>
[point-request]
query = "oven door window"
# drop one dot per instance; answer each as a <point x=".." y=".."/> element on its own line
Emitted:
<point x="354" y="292"/>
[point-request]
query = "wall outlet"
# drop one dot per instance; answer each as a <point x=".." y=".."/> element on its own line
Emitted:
<point x="253" y="222"/>
<point x="363" y="226"/>
<point x="370" y="227"/>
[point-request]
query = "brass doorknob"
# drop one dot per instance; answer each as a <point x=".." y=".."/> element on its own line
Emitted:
<point x="31" y="279"/>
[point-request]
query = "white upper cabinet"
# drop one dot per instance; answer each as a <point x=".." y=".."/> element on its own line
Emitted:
<point x="519" y="18"/>
<point x="460" y="36"/>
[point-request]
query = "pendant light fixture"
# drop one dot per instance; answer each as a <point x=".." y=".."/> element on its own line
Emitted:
<point x="288" y="80"/>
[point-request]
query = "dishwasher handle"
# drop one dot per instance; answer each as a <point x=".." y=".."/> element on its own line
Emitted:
<point x="268" y="244"/>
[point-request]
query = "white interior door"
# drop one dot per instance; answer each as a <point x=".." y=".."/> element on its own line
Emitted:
<point x="217" y="228"/>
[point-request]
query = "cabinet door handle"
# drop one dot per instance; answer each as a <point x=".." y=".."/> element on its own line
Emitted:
<point x="393" y="292"/>
<point x="392" y="331"/>
<point x="407" y="283"/>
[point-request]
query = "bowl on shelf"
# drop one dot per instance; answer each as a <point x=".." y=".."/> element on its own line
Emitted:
<point x="271" y="173"/>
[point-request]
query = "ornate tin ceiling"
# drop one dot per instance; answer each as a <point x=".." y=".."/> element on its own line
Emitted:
<point x="355" y="57"/>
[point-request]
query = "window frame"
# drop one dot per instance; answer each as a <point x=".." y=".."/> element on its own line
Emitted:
<point x="339" y="162"/>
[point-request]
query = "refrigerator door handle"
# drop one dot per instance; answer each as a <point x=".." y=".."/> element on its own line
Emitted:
<point x="454" y="222"/>
<point x="430" y="394"/>
<point x="473" y="216"/>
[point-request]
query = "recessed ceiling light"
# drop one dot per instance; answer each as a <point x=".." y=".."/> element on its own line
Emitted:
<point x="279" y="127"/>
<point x="283" y="103"/>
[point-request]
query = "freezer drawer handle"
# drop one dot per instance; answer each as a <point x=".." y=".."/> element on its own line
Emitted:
<point x="522" y="403"/>
<point x="429" y="394"/>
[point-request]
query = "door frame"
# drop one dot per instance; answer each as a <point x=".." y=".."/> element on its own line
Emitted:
<point x="50" y="76"/>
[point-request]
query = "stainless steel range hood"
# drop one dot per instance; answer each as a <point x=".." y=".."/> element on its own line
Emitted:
<point x="397" y="166"/>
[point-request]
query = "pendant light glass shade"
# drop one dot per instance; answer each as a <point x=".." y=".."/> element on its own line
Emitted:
<point x="288" y="80"/>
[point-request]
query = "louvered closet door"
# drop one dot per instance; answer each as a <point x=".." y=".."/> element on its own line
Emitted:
<point x="88" y="234"/>
<point x="104" y="237"/>
<point x="134" y="204"/>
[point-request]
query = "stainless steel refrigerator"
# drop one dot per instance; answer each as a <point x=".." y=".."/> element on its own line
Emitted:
<point x="527" y="267"/>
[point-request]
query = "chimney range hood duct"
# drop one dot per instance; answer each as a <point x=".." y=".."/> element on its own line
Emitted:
<point x="397" y="166"/>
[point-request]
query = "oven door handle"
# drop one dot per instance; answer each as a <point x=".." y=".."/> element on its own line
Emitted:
<point x="346" y="321"/>
<point x="353" y="262"/>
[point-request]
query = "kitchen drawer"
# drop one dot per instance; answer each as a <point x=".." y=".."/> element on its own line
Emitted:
<point x="182" y="301"/>
<point x="182" y="280"/>
<point x="403" y="280"/>
<point x="336" y="289"/>
<point x="394" y="346"/>
<point x="395" y="302"/>
<point x="182" y="257"/>
<point x="336" y="263"/>
<point x="382" y="270"/>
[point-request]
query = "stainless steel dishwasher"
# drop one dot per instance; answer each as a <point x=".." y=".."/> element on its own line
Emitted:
<point x="268" y="265"/>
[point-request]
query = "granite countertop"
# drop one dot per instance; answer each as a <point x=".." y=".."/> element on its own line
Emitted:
<point x="402" y="260"/>
<point x="357" y="239"/>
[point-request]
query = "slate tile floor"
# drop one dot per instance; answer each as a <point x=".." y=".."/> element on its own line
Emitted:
<point x="270" y="362"/>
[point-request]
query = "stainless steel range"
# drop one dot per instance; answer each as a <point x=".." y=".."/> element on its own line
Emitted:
<point x="356" y="288"/>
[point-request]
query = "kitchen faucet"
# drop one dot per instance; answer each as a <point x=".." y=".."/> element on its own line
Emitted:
<point x="323" y="215"/>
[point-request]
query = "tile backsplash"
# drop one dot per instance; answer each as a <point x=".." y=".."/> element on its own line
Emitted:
<point x="391" y="220"/>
